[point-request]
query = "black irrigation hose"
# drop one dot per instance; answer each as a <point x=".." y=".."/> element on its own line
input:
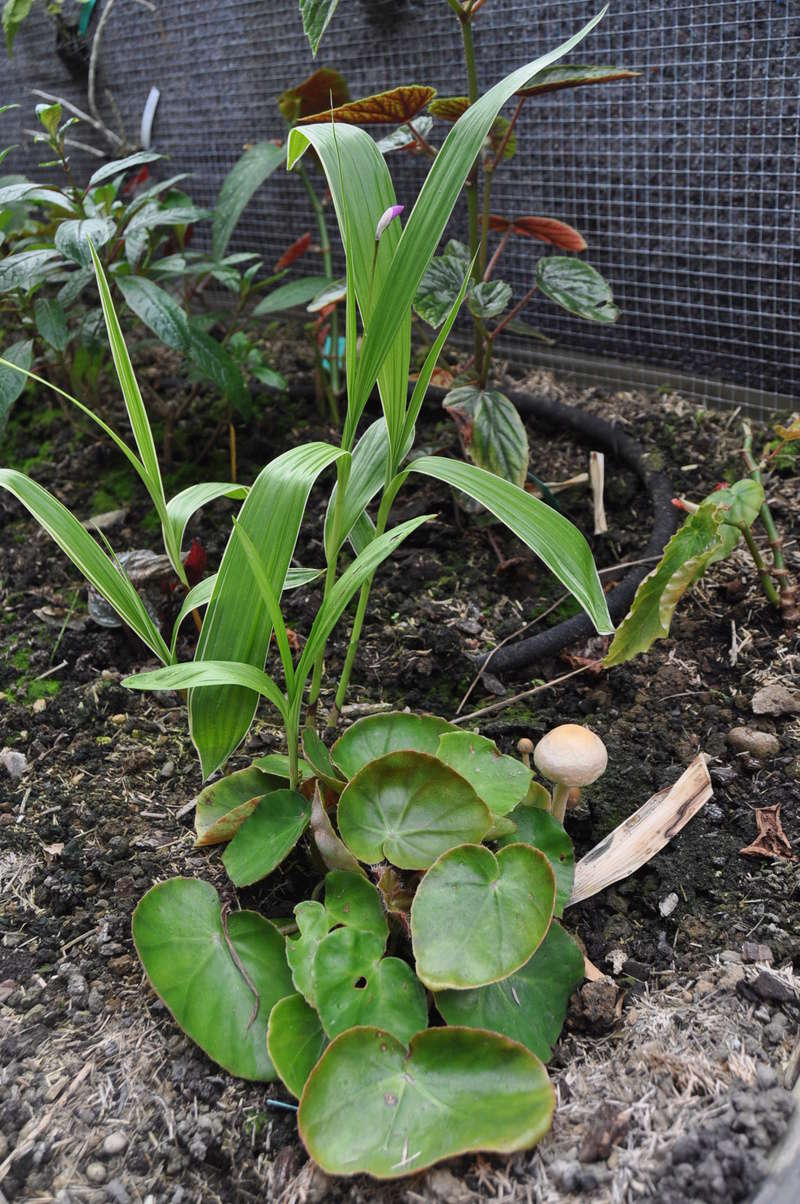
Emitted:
<point x="606" y="437"/>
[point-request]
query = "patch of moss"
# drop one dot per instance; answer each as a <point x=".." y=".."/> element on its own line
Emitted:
<point x="116" y="489"/>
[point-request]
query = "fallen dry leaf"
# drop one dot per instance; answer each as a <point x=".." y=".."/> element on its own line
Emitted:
<point x="771" y="840"/>
<point x="54" y="850"/>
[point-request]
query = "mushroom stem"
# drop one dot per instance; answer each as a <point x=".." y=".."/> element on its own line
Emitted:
<point x="560" y="795"/>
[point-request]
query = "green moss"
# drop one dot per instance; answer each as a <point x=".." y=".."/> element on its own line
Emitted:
<point x="21" y="658"/>
<point x="43" y="689"/>
<point x="116" y="489"/>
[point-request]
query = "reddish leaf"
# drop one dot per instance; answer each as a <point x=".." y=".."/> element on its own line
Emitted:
<point x="315" y="95"/>
<point x="449" y="108"/>
<point x="553" y="79"/>
<point x="771" y="840"/>
<point x="133" y="185"/>
<point x="195" y="562"/>
<point x="298" y="248"/>
<point x="384" y="108"/>
<point x="546" y="229"/>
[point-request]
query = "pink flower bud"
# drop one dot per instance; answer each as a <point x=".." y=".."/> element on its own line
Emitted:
<point x="391" y="213"/>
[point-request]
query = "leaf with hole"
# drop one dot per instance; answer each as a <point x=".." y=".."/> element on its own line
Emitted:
<point x="223" y="806"/>
<point x="477" y="917"/>
<point x="408" y="808"/>
<point x="372" y="1105"/>
<point x="356" y="985"/>
<point x="197" y="970"/>
<point x="267" y="836"/>
<point x="502" y="782"/>
<point x="491" y="431"/>
<point x="529" y="1006"/>
<point x="295" y="1041"/>
<point x="577" y="287"/>
<point x="542" y="831"/>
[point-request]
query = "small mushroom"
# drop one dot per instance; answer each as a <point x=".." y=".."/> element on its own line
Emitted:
<point x="525" y="749"/>
<point x="569" y="756"/>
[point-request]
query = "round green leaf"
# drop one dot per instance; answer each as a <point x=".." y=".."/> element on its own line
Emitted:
<point x="355" y="985"/>
<point x="180" y="938"/>
<point x="438" y="289"/>
<point x="373" y="1106"/>
<point x="295" y="1041"/>
<point x="223" y="806"/>
<point x="407" y="808"/>
<point x="502" y="782"/>
<point x="477" y="917"/>
<point x="350" y="900"/>
<point x="353" y="901"/>
<point x="313" y="924"/>
<point x="266" y="836"/>
<point x="530" y="1005"/>
<point x="745" y="499"/>
<point x="543" y="831"/>
<point x="377" y="735"/>
<point x="577" y="287"/>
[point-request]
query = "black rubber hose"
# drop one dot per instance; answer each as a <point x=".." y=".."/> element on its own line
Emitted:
<point x="606" y="437"/>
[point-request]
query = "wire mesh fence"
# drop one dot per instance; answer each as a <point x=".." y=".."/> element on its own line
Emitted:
<point x="684" y="181"/>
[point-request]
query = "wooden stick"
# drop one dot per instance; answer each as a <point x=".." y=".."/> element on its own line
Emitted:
<point x="597" y="470"/>
<point x="643" y="834"/>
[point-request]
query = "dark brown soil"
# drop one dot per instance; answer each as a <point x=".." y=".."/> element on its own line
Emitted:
<point x="100" y="813"/>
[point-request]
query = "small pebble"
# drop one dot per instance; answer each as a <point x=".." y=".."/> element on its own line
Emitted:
<point x="761" y="745"/>
<point x="753" y="952"/>
<point x="117" y="1192"/>
<point x="775" y="699"/>
<point x="167" y="769"/>
<point x="14" y="763"/>
<point x="114" y="1144"/>
<point x="96" y="1172"/>
<point x="668" y="905"/>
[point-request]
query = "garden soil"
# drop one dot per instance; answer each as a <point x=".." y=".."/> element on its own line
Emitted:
<point x="671" y="1073"/>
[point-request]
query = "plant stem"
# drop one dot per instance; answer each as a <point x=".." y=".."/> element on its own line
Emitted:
<point x="767" y="583"/>
<point x="355" y="635"/>
<point x="327" y="262"/>
<point x="786" y="589"/>
<point x="501" y="246"/>
<point x="342" y="476"/>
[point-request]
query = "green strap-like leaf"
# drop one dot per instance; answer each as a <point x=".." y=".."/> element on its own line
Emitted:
<point x="244" y="178"/>
<point x="198" y="596"/>
<point x="362" y="191"/>
<point x="551" y="536"/>
<point x="118" y="166"/>
<point x="88" y="558"/>
<point x="237" y="625"/>
<point x="183" y="505"/>
<point x="191" y="675"/>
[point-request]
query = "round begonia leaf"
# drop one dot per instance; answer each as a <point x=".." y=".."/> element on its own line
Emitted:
<point x="477" y="917"/>
<point x="353" y="901"/>
<point x="373" y="1106"/>
<point x="543" y="831"/>
<point x="314" y="925"/>
<point x="223" y="806"/>
<point x="355" y="985"/>
<point x="502" y="782"/>
<point x="266" y="836"/>
<point x="408" y="808"/>
<point x="528" y="1006"/>
<point x="295" y="1041"/>
<point x="376" y="735"/>
<point x="180" y="936"/>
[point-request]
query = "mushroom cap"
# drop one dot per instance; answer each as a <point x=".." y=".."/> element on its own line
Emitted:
<point x="571" y="755"/>
<point x="525" y="746"/>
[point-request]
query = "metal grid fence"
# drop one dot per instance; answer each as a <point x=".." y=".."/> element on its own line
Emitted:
<point x="684" y="181"/>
